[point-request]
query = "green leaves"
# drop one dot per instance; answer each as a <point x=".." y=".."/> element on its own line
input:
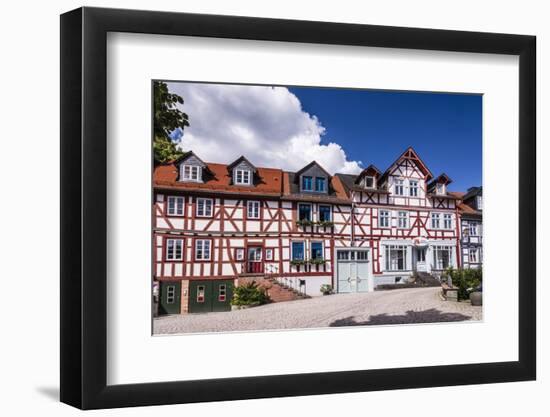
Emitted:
<point x="167" y="117"/>
<point x="249" y="294"/>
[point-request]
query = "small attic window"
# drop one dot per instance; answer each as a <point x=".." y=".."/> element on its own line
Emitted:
<point x="369" y="182"/>
<point x="191" y="173"/>
<point x="440" y="188"/>
<point x="243" y="177"/>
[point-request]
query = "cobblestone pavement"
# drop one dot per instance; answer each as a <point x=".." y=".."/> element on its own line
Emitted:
<point x="416" y="305"/>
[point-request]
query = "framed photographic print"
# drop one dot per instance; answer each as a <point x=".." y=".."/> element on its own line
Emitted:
<point x="233" y="186"/>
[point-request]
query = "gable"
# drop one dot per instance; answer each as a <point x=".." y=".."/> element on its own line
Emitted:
<point x="408" y="164"/>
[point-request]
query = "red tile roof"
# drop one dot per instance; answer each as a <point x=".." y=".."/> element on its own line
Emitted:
<point x="270" y="180"/>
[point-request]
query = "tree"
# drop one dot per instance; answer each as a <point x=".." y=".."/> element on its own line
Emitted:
<point x="167" y="118"/>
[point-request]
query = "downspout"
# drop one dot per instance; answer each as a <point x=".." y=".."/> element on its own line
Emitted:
<point x="352" y="218"/>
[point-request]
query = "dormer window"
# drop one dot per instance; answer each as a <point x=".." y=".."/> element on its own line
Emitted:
<point x="369" y="182"/>
<point x="243" y="177"/>
<point x="191" y="173"/>
<point x="320" y="184"/>
<point x="307" y="183"/>
<point x="440" y="189"/>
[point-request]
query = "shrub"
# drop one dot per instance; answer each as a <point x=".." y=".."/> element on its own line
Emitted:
<point x="465" y="280"/>
<point x="249" y="294"/>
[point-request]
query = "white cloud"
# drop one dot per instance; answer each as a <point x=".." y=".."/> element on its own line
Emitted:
<point x="266" y="124"/>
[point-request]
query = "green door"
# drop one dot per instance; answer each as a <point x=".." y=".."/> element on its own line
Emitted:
<point x="222" y="292"/>
<point x="170" y="297"/>
<point x="207" y="296"/>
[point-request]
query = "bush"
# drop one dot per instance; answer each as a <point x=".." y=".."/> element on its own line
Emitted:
<point x="249" y="294"/>
<point x="465" y="280"/>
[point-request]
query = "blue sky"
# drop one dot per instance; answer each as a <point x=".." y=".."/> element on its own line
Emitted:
<point x="376" y="126"/>
<point x="344" y="130"/>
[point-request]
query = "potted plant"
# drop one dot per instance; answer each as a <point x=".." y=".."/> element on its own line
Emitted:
<point x="317" y="261"/>
<point x="326" y="223"/>
<point x="304" y="222"/>
<point x="326" y="289"/>
<point x="476" y="296"/>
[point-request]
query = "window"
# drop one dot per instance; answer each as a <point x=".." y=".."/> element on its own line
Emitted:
<point x="304" y="212"/>
<point x="298" y="251"/>
<point x="202" y="250"/>
<point x="320" y="184"/>
<point x="413" y="188"/>
<point x="440" y="189"/>
<point x="307" y="183"/>
<point x="316" y="250"/>
<point x="325" y="213"/>
<point x="204" y="207"/>
<point x="343" y="255"/>
<point x="435" y="221"/>
<point x="253" y="210"/>
<point x="239" y="254"/>
<point x="442" y="257"/>
<point x="191" y="173"/>
<point x="396" y="258"/>
<point x="174" y="249"/>
<point x="447" y="221"/>
<point x="175" y="206"/>
<point x="222" y="290"/>
<point x="369" y="182"/>
<point x="170" y="294"/>
<point x="200" y="293"/>
<point x="479" y="203"/>
<point x="472" y="229"/>
<point x="269" y="254"/>
<point x="384" y="218"/>
<point x="399" y="188"/>
<point x="473" y="255"/>
<point x="362" y="255"/>
<point x="402" y="219"/>
<point x="243" y="177"/>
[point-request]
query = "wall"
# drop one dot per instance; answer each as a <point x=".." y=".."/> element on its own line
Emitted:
<point x="30" y="330"/>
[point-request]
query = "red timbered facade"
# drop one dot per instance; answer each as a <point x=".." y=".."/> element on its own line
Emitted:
<point x="216" y="226"/>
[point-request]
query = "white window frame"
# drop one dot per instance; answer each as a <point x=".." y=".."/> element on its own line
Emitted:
<point x="441" y="248"/>
<point x="474" y="251"/>
<point x="479" y="202"/>
<point x="269" y="254"/>
<point x="201" y="244"/>
<point x="322" y="249"/>
<point x="367" y="177"/>
<point x="173" y="256"/>
<point x="205" y="206"/>
<point x="472" y="226"/>
<point x="256" y="206"/>
<point x="245" y="176"/>
<point x="386" y="217"/>
<point x="399" y="185"/>
<point x="310" y="211"/>
<point x="440" y="188"/>
<point x="400" y="217"/>
<point x="435" y="221"/>
<point x="194" y="174"/>
<point x="413" y="187"/>
<point x="178" y="206"/>
<point x="292" y="242"/>
<point x="388" y="260"/>
<point x="447" y="221"/>
<point x="319" y="212"/>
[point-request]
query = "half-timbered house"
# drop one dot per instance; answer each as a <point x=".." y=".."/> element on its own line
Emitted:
<point x="217" y="226"/>
<point x="471" y="230"/>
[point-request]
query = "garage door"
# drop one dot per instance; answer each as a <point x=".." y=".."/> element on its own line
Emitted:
<point x="208" y="296"/>
<point x="353" y="271"/>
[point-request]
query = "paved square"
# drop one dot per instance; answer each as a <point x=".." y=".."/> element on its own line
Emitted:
<point x="417" y="305"/>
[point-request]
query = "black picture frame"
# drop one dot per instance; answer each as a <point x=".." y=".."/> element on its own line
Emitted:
<point x="84" y="207"/>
